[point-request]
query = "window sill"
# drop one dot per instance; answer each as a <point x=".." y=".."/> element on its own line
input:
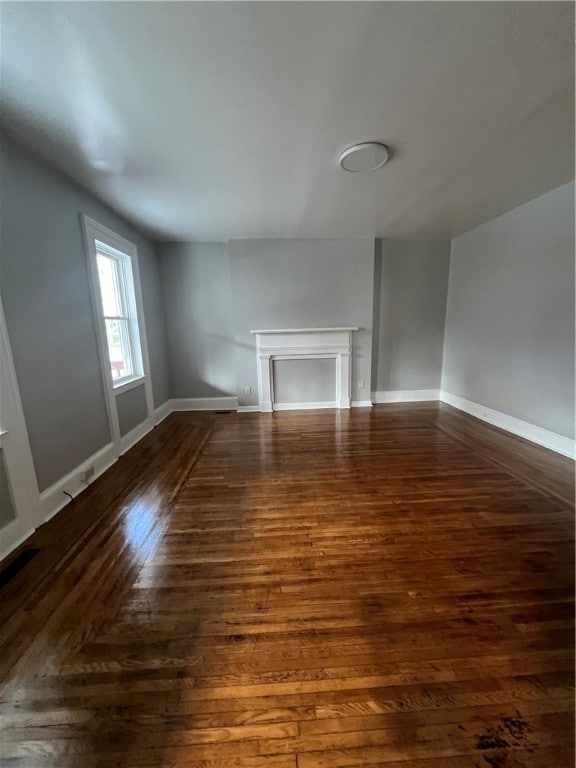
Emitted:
<point x="127" y="384"/>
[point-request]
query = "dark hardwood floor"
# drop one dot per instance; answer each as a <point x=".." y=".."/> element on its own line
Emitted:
<point x="385" y="587"/>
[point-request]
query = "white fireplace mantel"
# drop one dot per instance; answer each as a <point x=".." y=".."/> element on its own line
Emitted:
<point x="299" y="344"/>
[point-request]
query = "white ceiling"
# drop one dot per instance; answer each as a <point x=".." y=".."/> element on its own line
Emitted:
<point x="211" y="121"/>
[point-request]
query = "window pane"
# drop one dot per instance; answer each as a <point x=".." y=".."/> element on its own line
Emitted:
<point x="119" y="348"/>
<point x="109" y="285"/>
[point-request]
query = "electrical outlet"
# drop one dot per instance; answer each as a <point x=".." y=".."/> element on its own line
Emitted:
<point x="247" y="390"/>
<point x="361" y="384"/>
<point x="88" y="474"/>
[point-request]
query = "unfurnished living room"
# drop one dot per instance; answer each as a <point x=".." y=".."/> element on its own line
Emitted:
<point x="287" y="385"/>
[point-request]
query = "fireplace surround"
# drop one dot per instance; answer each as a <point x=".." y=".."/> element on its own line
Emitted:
<point x="304" y="344"/>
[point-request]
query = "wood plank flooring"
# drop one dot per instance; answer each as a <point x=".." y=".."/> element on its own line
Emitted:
<point x="387" y="587"/>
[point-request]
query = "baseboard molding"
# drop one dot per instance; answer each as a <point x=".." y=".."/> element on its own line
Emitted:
<point x="405" y="395"/>
<point x="135" y="435"/>
<point x="227" y="403"/>
<point x="20" y="540"/>
<point x="162" y="412"/>
<point x="231" y="404"/>
<point x="205" y="404"/>
<point x="304" y="406"/>
<point x="555" y="442"/>
<point x="52" y="500"/>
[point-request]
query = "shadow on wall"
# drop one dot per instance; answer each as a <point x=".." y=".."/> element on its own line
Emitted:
<point x="209" y="371"/>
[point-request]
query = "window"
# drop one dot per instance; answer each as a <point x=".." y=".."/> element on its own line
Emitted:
<point x="115" y="278"/>
<point x="117" y="302"/>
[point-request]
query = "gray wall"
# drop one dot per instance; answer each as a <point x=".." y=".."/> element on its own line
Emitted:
<point x="46" y="296"/>
<point x="510" y="321"/>
<point x="131" y="407"/>
<point x="154" y="314"/>
<point x="411" y="283"/>
<point x="300" y="284"/>
<point x="198" y="302"/>
<point x="7" y="510"/>
<point x="305" y="381"/>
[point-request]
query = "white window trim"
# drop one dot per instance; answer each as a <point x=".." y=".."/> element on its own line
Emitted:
<point x="129" y="311"/>
<point x="127" y="383"/>
<point x="93" y="231"/>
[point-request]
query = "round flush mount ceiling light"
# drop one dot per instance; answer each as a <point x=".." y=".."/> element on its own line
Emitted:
<point x="366" y="156"/>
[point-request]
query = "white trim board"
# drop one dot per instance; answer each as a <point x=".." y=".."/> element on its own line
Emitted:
<point x="304" y="406"/>
<point x="555" y="442"/>
<point x="162" y="412"/>
<point x="226" y="403"/>
<point x="272" y="331"/>
<point x="130" y="439"/>
<point x="405" y="395"/>
<point x="53" y="499"/>
<point x="16" y="543"/>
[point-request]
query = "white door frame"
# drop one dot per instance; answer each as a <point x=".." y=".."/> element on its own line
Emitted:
<point x="16" y="452"/>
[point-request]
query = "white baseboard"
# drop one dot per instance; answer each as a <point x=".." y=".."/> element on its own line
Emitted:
<point x="198" y="404"/>
<point x="405" y="395"/>
<point x="205" y="404"/>
<point x="303" y="406"/>
<point x="135" y="435"/>
<point x="555" y="442"/>
<point x="162" y="412"/>
<point x="15" y="544"/>
<point x="52" y="500"/>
